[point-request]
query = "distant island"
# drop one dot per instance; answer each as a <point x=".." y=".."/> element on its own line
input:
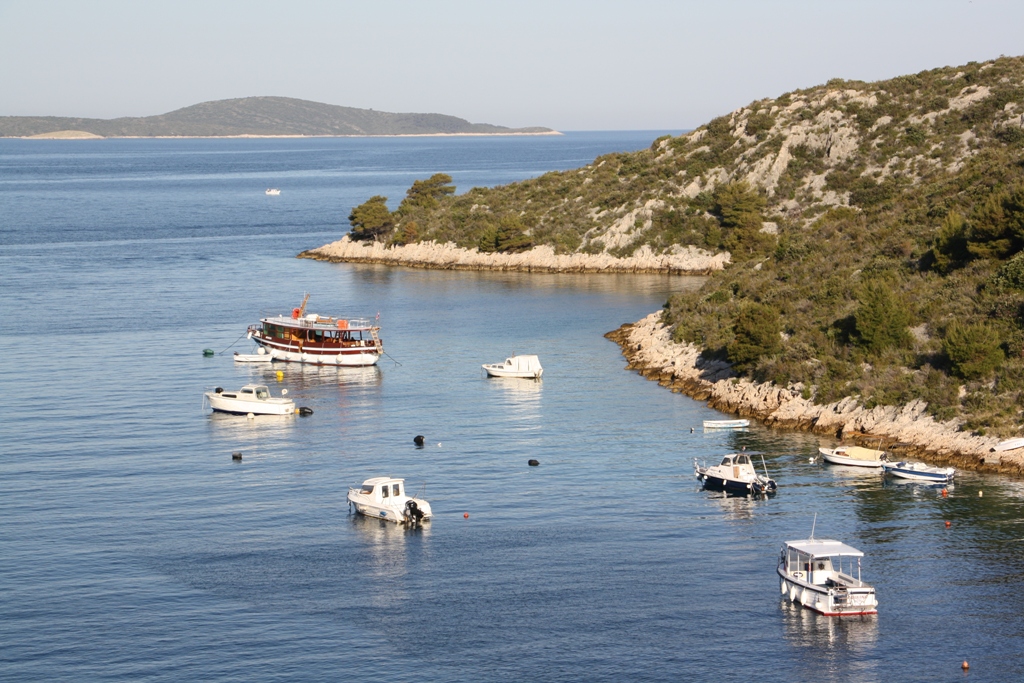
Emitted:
<point x="255" y="117"/>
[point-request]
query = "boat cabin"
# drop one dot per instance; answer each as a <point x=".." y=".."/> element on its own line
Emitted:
<point x="823" y="563"/>
<point x="250" y="392"/>
<point x="383" y="489"/>
<point x="526" y="364"/>
<point x="739" y="464"/>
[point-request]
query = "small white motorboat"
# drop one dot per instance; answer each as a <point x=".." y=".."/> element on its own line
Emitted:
<point x="726" y="424"/>
<point x="735" y="474"/>
<point x="854" y="456"/>
<point x="252" y="399"/>
<point x="261" y="356"/>
<point x="273" y="191"/>
<point x="1009" y="445"/>
<point x="818" y="574"/>
<point x="919" y="471"/>
<point x="524" y="367"/>
<point x="385" y="498"/>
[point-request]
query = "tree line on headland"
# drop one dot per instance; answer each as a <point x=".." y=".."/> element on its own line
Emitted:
<point x="876" y="234"/>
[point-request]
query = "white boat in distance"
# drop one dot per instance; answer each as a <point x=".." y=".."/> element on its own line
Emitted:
<point x="273" y="191"/>
<point x="735" y="474"/>
<point x="726" y="424"/>
<point x="261" y="356"/>
<point x="1009" y="445"/>
<point x="854" y="456"/>
<point x="252" y="398"/>
<point x="384" y="498"/>
<point x="524" y="367"/>
<point x="919" y="471"/>
<point x="319" y="340"/>
<point x="812" y="574"/>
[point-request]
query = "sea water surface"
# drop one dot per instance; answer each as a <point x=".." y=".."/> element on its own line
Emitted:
<point x="132" y="546"/>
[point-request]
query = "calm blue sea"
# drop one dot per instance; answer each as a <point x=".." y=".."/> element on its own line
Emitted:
<point x="132" y="547"/>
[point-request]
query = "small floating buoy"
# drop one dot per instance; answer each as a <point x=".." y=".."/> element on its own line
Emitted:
<point x="945" y="493"/>
<point x="980" y="494"/>
<point x="218" y="390"/>
<point x="965" y="666"/>
<point x="418" y="440"/>
<point x="208" y="352"/>
<point x="691" y="430"/>
<point x="465" y="515"/>
<point x="533" y="463"/>
<point x="438" y="444"/>
<point x="280" y="375"/>
<point x="251" y="416"/>
<point x="237" y="455"/>
<point x="948" y="524"/>
<point x="304" y="411"/>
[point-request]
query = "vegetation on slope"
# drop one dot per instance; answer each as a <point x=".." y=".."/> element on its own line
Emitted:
<point x="876" y="233"/>
<point x="256" y="116"/>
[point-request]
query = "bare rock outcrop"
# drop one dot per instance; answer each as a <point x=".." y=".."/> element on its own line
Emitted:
<point x="543" y="259"/>
<point x="650" y="350"/>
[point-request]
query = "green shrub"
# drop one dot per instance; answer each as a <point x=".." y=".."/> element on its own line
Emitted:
<point x="974" y="349"/>
<point x="756" y="333"/>
<point x="371" y="220"/>
<point x="881" y="319"/>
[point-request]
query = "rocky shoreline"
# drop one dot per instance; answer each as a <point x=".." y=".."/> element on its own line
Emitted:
<point x="907" y="430"/>
<point x="543" y="259"/>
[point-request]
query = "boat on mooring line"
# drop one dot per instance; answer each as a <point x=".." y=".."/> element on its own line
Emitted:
<point x="385" y="498"/>
<point x="818" y="574"/>
<point x="726" y="424"/>
<point x="919" y="471"/>
<point x="735" y="474"/>
<point x="854" y="456"/>
<point x="319" y="340"/>
<point x="252" y="399"/>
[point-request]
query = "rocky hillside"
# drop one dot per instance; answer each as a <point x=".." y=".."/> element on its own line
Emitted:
<point x="256" y="116"/>
<point x="874" y="232"/>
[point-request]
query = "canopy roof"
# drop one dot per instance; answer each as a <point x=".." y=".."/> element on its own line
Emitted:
<point x="824" y="548"/>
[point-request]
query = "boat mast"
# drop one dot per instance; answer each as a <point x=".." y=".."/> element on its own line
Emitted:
<point x="302" y="308"/>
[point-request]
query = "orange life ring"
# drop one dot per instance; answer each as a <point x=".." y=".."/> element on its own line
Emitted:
<point x="296" y="312"/>
<point x="342" y="324"/>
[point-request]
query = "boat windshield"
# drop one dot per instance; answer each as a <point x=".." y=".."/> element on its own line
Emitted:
<point x="742" y="460"/>
<point x="262" y="393"/>
<point x="367" y="488"/>
<point x="727" y="460"/>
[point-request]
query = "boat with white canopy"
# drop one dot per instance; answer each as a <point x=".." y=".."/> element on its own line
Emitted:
<point x="523" y="367"/>
<point x="819" y="574"/>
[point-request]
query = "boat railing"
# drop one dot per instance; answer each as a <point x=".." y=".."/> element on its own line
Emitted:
<point x="848" y="580"/>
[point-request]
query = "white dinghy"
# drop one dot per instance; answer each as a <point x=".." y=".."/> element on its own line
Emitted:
<point x="726" y="424"/>
<point x="524" y="367"/>
<point x="818" y="574"/>
<point x="261" y="356"/>
<point x="854" y="456"/>
<point x="385" y="498"/>
<point x="919" y="471"/>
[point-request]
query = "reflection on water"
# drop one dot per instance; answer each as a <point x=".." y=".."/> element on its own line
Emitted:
<point x="736" y="506"/>
<point x="838" y="645"/>
<point x="520" y="400"/>
<point x="386" y="561"/>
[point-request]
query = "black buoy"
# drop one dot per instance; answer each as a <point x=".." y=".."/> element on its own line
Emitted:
<point x="533" y="463"/>
<point x="418" y="440"/>
<point x="236" y="455"/>
<point x="304" y="411"/>
<point x="219" y="390"/>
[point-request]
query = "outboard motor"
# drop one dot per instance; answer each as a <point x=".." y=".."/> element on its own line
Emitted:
<point x="412" y="513"/>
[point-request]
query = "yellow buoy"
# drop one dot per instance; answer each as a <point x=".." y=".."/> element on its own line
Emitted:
<point x="280" y="375"/>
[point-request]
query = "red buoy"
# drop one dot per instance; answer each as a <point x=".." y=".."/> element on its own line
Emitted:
<point x="965" y="666"/>
<point x="945" y="493"/>
<point x="466" y="515"/>
<point x="948" y="524"/>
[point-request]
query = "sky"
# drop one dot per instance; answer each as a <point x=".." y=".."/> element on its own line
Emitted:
<point x="588" y="65"/>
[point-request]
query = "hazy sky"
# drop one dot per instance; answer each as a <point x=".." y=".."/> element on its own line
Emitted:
<point x="588" y="65"/>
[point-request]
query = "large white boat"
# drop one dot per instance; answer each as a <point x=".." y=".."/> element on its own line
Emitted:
<point x="854" y="456"/>
<point x="252" y="398"/>
<point x="319" y="340"/>
<point x="735" y="474"/>
<point x="524" y="367"/>
<point x="819" y="574"/>
<point x="919" y="471"/>
<point x="385" y="498"/>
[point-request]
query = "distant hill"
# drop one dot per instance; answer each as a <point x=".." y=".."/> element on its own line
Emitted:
<point x="257" y="116"/>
